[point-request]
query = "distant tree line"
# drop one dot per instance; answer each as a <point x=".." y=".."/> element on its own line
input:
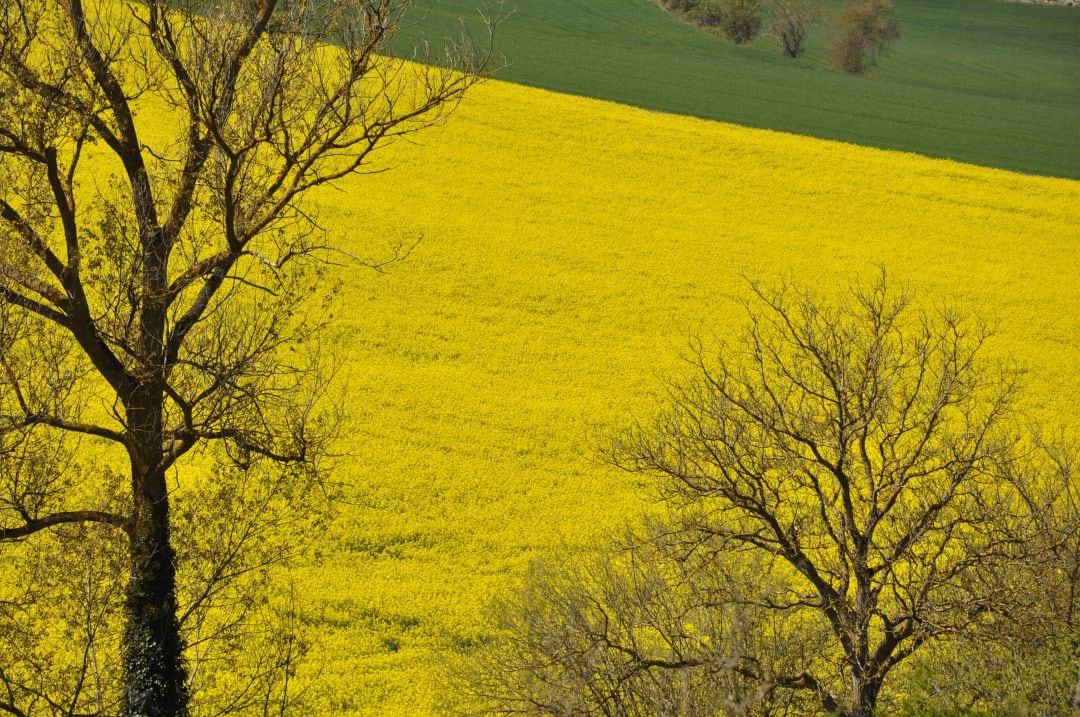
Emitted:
<point x="860" y="33"/>
<point x="738" y="20"/>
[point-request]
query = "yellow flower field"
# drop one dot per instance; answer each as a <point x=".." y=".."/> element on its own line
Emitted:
<point x="571" y="247"/>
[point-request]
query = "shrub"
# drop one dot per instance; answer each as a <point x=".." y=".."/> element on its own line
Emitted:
<point x="740" y="20"/>
<point x="861" y="34"/>
<point x="737" y="20"/>
<point x="681" y="7"/>
<point x="709" y="13"/>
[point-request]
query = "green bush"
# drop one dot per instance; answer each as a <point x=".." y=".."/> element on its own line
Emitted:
<point x="860" y="35"/>
<point x="709" y="13"/>
<point x="682" y="7"/>
<point x="740" y="20"/>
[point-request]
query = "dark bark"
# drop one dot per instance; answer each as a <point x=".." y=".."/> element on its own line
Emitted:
<point x="153" y="646"/>
<point x="864" y="699"/>
<point x="153" y="649"/>
<point x="121" y="313"/>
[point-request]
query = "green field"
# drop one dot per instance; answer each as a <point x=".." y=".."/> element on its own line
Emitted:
<point x="980" y="81"/>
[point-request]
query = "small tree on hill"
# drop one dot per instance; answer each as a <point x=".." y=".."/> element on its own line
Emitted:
<point x="790" y="22"/>
<point x="861" y="33"/>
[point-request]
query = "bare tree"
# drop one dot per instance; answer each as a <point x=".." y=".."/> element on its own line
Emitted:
<point x="865" y="446"/>
<point x="790" y="22"/>
<point x="650" y="626"/>
<point x="846" y="490"/>
<point x="1022" y="659"/>
<point x="155" y="264"/>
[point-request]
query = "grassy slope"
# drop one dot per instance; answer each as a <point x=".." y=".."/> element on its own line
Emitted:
<point x="559" y="274"/>
<point x="981" y="81"/>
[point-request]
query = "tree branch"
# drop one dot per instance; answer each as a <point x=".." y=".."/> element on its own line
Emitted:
<point x="81" y="516"/>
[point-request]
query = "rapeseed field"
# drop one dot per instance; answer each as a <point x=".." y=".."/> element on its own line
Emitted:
<point x="571" y="247"/>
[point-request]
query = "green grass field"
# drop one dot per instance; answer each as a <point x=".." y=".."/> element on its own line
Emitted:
<point x="980" y="81"/>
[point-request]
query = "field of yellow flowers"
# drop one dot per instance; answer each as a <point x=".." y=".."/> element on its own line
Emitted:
<point x="570" y="249"/>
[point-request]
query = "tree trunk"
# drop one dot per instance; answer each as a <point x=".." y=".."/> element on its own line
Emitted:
<point x="156" y="684"/>
<point x="154" y="651"/>
<point x="1076" y="692"/>
<point x="866" y="694"/>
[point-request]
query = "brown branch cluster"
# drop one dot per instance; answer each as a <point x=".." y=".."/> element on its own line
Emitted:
<point x="642" y="628"/>
<point x="846" y="488"/>
<point x="142" y="282"/>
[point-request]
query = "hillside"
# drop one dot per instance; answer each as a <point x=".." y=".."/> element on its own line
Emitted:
<point x="980" y="81"/>
<point x="565" y="250"/>
<point x="560" y="276"/>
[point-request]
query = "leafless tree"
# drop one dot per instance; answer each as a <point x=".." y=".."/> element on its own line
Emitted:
<point x="847" y="490"/>
<point x="790" y="22"/>
<point x="645" y="627"/>
<point x="1023" y="658"/>
<point x="865" y="446"/>
<point x="156" y="264"/>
